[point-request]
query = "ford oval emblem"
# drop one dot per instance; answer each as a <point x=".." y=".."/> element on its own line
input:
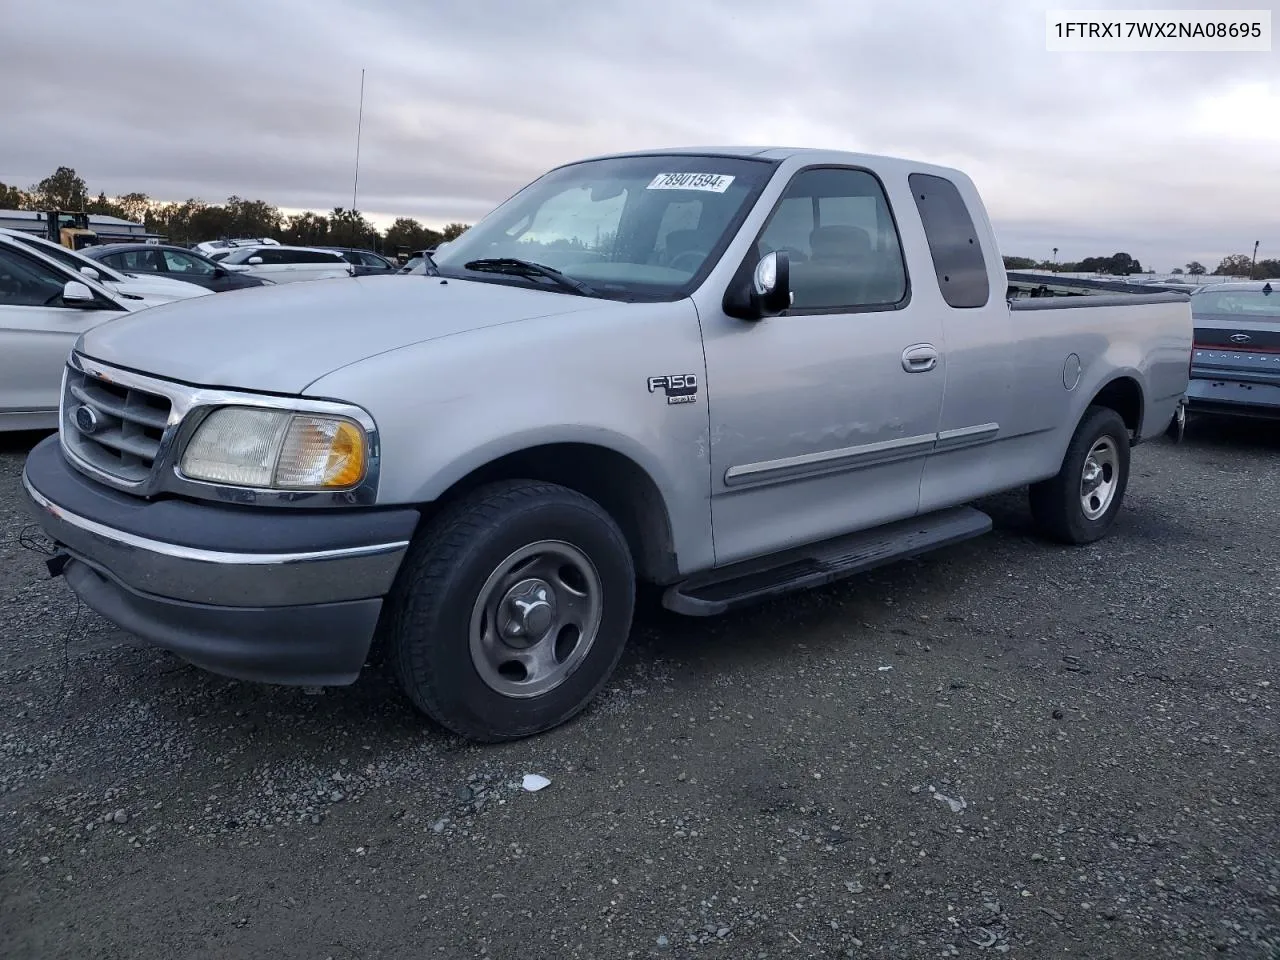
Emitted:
<point x="86" y="419"/>
<point x="1240" y="338"/>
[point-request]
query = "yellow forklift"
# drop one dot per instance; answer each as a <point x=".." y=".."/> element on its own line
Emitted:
<point x="70" y="230"/>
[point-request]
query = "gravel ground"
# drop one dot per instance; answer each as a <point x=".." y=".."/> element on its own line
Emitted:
<point x="1005" y="748"/>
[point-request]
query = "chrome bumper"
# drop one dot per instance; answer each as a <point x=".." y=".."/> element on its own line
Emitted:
<point x="239" y="579"/>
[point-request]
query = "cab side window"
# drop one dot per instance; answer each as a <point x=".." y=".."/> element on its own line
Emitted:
<point x="838" y="232"/>
<point x="28" y="283"/>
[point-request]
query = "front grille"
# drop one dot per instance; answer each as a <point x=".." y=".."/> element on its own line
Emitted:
<point x="113" y="428"/>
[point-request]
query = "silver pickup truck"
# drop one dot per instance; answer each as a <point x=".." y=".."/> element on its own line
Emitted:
<point x="728" y="372"/>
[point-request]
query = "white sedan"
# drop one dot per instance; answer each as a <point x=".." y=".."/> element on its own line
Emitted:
<point x="156" y="289"/>
<point x="44" y="307"/>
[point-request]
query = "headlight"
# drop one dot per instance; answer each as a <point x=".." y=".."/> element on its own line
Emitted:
<point x="281" y="449"/>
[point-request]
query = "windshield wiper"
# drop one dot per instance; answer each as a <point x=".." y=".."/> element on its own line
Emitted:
<point x="527" y="268"/>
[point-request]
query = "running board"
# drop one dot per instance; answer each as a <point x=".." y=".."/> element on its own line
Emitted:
<point x="752" y="581"/>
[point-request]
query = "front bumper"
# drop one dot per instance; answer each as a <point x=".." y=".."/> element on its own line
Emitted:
<point x="274" y="595"/>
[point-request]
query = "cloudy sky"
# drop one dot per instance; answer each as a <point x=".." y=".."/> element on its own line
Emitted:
<point x="1167" y="157"/>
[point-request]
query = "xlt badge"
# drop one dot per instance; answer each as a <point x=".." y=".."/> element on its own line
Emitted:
<point x="679" y="387"/>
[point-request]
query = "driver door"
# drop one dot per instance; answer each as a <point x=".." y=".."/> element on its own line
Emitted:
<point x="821" y="418"/>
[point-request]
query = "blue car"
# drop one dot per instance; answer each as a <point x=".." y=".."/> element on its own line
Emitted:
<point x="1235" y="365"/>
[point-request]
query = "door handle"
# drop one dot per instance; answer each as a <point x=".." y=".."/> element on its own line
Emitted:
<point x="919" y="358"/>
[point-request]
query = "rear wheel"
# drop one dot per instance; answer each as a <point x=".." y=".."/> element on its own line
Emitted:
<point x="511" y="611"/>
<point x="1080" y="504"/>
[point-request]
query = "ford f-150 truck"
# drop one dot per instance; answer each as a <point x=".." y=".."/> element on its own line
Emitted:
<point x="726" y="372"/>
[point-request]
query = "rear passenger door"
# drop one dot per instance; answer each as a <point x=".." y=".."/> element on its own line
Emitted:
<point x="971" y="457"/>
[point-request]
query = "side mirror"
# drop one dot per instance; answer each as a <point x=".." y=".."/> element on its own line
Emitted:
<point x="254" y="261"/>
<point x="767" y="293"/>
<point x="219" y="271"/>
<point x="76" y="294"/>
<point x="91" y="273"/>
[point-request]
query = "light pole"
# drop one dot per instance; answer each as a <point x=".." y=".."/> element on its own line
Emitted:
<point x="355" y="182"/>
<point x="1253" y="266"/>
<point x="1055" y="259"/>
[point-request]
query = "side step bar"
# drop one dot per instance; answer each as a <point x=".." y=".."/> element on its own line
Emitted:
<point x="752" y="581"/>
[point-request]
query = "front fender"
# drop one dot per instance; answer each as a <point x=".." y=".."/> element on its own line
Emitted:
<point x="448" y="406"/>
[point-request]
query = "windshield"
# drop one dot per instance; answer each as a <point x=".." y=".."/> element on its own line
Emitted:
<point x="1243" y="303"/>
<point x="630" y="227"/>
<point x="72" y="261"/>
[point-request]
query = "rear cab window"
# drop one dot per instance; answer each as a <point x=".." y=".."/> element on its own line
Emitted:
<point x="958" y="260"/>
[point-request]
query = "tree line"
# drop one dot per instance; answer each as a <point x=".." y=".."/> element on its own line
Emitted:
<point x="193" y="221"/>
<point x="1123" y="265"/>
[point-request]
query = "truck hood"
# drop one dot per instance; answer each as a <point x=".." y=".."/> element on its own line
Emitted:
<point x="279" y="339"/>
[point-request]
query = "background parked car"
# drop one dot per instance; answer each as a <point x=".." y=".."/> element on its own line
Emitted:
<point x="44" y="306"/>
<point x="281" y="264"/>
<point x="1235" y="366"/>
<point x="366" y="262"/>
<point x="416" y="263"/>
<point x="154" y="288"/>
<point x="174" y="262"/>
<point x="214" y="249"/>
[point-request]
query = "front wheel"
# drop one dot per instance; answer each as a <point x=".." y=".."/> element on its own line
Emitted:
<point x="1080" y="504"/>
<point x="511" y="611"/>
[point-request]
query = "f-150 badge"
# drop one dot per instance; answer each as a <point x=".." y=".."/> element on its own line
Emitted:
<point x="679" y="387"/>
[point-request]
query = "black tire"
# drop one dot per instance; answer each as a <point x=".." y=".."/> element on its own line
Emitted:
<point x="430" y="609"/>
<point x="1057" y="504"/>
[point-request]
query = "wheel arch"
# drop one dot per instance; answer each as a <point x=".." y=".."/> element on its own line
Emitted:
<point x="1125" y="396"/>
<point x="625" y="489"/>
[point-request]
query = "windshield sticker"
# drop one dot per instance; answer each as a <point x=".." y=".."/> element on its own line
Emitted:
<point x="712" y="182"/>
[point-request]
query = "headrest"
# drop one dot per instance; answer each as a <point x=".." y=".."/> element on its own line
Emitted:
<point x="839" y="243"/>
<point x="679" y="241"/>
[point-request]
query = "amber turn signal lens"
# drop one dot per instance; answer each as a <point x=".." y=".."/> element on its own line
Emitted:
<point x="321" y="452"/>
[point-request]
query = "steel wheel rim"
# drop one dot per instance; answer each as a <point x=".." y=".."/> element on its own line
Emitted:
<point x="535" y="619"/>
<point x="1100" y="478"/>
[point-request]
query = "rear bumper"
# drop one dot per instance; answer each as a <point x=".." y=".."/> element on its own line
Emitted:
<point x="1221" y="393"/>
<point x="271" y="595"/>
